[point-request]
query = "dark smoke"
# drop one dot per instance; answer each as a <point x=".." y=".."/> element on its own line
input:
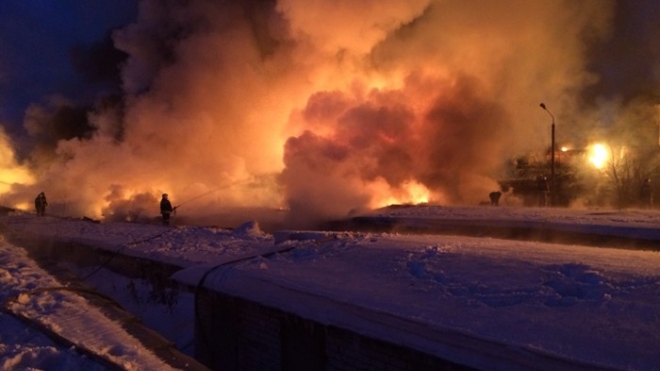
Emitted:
<point x="100" y="63"/>
<point x="56" y="121"/>
<point x="626" y="60"/>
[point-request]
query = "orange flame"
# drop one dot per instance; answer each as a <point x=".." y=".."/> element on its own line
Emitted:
<point x="411" y="192"/>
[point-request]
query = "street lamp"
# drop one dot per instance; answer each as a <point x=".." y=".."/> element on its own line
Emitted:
<point x="552" y="158"/>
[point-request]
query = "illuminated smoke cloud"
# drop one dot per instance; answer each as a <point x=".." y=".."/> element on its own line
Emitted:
<point x="124" y="207"/>
<point x="451" y="142"/>
<point x="322" y="107"/>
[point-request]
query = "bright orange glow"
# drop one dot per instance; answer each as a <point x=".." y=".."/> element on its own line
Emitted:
<point x="598" y="155"/>
<point x="411" y="192"/>
<point x="22" y="206"/>
<point x="418" y="192"/>
<point x="10" y="171"/>
<point x="14" y="175"/>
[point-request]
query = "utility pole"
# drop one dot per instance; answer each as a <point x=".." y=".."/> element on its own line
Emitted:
<point x="552" y="157"/>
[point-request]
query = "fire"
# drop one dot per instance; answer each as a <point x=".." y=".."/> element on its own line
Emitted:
<point x="24" y="206"/>
<point x="418" y="192"/>
<point x="11" y="172"/>
<point x="411" y="192"/>
<point x="11" y="176"/>
<point x="598" y="155"/>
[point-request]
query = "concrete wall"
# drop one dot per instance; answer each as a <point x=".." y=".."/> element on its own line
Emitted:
<point x="235" y="334"/>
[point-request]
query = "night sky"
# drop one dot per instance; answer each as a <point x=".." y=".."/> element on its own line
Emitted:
<point x="42" y="44"/>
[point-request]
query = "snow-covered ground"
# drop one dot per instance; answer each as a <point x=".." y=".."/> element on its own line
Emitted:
<point x="593" y="305"/>
<point x="32" y="293"/>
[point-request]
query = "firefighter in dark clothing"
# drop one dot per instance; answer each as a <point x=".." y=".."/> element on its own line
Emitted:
<point x="40" y="204"/>
<point x="166" y="209"/>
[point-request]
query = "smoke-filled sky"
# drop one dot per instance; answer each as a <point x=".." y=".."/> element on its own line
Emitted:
<point x="320" y="107"/>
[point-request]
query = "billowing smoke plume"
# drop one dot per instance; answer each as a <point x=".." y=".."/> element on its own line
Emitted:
<point x="321" y="107"/>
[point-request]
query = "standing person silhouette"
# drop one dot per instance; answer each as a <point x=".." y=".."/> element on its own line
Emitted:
<point x="166" y="209"/>
<point x="40" y="204"/>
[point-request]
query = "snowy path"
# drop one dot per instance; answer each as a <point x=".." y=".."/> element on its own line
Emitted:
<point x="33" y="295"/>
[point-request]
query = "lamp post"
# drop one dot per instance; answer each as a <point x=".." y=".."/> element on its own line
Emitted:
<point x="552" y="157"/>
